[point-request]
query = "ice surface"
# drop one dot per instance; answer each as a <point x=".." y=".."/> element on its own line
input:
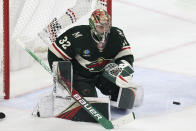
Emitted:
<point x="163" y="38"/>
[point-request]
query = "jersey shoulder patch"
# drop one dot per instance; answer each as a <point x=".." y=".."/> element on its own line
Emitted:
<point x="125" y="46"/>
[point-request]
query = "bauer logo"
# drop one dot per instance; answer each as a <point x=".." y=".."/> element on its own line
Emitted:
<point x="87" y="106"/>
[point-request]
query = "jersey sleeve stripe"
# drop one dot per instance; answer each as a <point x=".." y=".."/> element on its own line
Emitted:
<point x="124" y="52"/>
<point x="64" y="55"/>
<point x="126" y="48"/>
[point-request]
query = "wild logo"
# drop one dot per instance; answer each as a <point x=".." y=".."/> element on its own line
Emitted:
<point x="98" y="65"/>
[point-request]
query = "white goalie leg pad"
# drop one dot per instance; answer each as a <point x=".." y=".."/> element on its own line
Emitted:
<point x="129" y="97"/>
<point x="62" y="99"/>
<point x="57" y="101"/>
<point x="54" y="103"/>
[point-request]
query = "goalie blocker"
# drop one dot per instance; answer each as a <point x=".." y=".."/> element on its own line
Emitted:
<point x="60" y="104"/>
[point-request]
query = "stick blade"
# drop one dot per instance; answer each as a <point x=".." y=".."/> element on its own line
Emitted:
<point x="124" y="120"/>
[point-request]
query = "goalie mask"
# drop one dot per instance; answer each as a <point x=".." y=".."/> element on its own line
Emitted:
<point x="100" y="25"/>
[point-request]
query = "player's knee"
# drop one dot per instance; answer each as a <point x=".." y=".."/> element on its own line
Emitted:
<point x="129" y="97"/>
<point x="139" y="95"/>
<point x="125" y="99"/>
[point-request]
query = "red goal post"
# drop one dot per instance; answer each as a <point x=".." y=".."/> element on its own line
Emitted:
<point x="13" y="27"/>
<point x="5" y="66"/>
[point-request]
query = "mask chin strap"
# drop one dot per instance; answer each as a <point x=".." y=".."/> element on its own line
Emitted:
<point x="104" y="36"/>
<point x="100" y="43"/>
<point x="94" y="36"/>
<point x="98" y="36"/>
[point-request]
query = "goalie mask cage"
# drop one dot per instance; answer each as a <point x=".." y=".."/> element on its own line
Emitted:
<point x="24" y="19"/>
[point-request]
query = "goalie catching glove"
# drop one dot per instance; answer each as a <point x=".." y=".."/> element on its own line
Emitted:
<point x="121" y="74"/>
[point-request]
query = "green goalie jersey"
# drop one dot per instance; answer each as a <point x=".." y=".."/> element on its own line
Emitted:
<point x="78" y="46"/>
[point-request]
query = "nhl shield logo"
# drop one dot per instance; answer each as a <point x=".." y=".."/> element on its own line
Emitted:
<point x="86" y="53"/>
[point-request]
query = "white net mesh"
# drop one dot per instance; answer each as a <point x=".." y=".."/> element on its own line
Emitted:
<point x="29" y="17"/>
<point x="34" y="16"/>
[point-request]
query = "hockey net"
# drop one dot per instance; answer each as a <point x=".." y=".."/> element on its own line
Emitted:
<point x="23" y="20"/>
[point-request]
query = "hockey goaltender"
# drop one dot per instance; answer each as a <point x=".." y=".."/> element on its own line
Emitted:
<point x="90" y="57"/>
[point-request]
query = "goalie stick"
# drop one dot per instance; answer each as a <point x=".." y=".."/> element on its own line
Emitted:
<point x="107" y="124"/>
